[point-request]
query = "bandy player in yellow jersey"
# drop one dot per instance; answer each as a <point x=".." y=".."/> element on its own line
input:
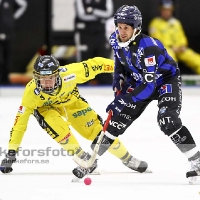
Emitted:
<point x="52" y="96"/>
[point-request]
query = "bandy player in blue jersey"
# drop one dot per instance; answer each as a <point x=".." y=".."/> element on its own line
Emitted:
<point x="144" y="72"/>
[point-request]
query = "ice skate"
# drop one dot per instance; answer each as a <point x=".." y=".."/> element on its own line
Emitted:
<point x="80" y="172"/>
<point x="194" y="169"/>
<point x="137" y="165"/>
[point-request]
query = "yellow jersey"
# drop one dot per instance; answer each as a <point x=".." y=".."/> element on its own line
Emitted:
<point x="169" y="32"/>
<point x="71" y="75"/>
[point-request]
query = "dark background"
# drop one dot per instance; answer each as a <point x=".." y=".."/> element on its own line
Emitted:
<point x="34" y="29"/>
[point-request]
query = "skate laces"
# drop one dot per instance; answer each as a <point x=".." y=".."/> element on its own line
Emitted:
<point x="86" y="156"/>
<point x="82" y="170"/>
<point x="195" y="165"/>
<point x="132" y="163"/>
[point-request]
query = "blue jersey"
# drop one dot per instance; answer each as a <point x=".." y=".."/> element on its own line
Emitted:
<point x="145" y="64"/>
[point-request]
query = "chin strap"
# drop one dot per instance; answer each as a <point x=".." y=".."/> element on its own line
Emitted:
<point x="125" y="44"/>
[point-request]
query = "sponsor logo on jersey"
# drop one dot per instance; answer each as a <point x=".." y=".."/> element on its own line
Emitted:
<point x="162" y="110"/>
<point x="21" y="109"/>
<point x="108" y="68"/>
<point x="140" y="53"/>
<point x="165" y="120"/>
<point x="90" y="123"/>
<point x="118" y="125"/>
<point x="48" y="103"/>
<point x="82" y="112"/>
<point x="115" y="47"/>
<point x="86" y="69"/>
<point x="16" y="120"/>
<point x="37" y="91"/>
<point x="151" y="61"/>
<point x="164" y="89"/>
<point x="178" y="139"/>
<point x="125" y="116"/>
<point x="122" y="102"/>
<point x="65" y="139"/>
<point x="69" y="77"/>
<point x="62" y="69"/>
<point x="130" y="105"/>
<point x="137" y="76"/>
<point x="95" y="68"/>
<point x="164" y="99"/>
<point x="112" y="41"/>
<point x="52" y="133"/>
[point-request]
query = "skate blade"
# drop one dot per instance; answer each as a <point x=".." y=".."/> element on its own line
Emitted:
<point x="192" y="180"/>
<point x="95" y="173"/>
<point x="148" y="171"/>
<point x="75" y="179"/>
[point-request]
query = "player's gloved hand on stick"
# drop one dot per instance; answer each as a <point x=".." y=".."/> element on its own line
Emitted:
<point x="6" y="163"/>
<point x="118" y="104"/>
<point x="118" y="80"/>
<point x="126" y="88"/>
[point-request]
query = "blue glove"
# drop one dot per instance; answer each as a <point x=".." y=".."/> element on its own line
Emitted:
<point x="118" y="80"/>
<point x="126" y="88"/>
<point x="117" y="105"/>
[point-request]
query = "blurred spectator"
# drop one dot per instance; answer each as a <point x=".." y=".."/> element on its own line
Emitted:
<point x="170" y="32"/>
<point x="90" y="37"/>
<point x="65" y="55"/>
<point x="110" y="28"/>
<point x="10" y="10"/>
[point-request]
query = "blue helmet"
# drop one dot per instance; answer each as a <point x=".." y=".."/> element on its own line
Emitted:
<point x="128" y="15"/>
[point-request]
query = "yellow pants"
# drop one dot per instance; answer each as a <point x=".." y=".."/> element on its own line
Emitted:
<point x="83" y="119"/>
<point x="189" y="57"/>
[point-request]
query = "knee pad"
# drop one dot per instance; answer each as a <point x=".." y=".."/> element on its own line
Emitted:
<point x="168" y="121"/>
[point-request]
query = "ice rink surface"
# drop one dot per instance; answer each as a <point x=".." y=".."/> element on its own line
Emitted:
<point x="52" y="179"/>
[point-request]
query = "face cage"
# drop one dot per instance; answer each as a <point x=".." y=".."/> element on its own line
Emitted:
<point x="47" y="87"/>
